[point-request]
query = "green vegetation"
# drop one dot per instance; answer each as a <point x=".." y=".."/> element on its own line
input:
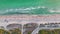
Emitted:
<point x="29" y="32"/>
<point x="2" y="31"/>
<point x="54" y="31"/>
<point x="15" y="31"/>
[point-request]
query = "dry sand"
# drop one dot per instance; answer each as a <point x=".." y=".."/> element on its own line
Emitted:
<point x="23" y="19"/>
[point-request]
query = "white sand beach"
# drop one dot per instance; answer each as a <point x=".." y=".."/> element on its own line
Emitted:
<point x="23" y="19"/>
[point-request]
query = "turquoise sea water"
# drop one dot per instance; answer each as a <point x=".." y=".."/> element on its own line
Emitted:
<point x="9" y="7"/>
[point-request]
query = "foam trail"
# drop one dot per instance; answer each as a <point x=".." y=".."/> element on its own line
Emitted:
<point x="57" y="11"/>
<point x="27" y="10"/>
<point x="51" y="11"/>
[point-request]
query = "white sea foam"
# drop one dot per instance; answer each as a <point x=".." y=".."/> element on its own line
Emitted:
<point x="10" y="9"/>
<point x="16" y="9"/>
<point x="57" y="11"/>
<point x="7" y="10"/>
<point x="22" y="10"/>
<point x="43" y="7"/>
<point x="29" y="8"/>
<point x="51" y="11"/>
<point x="33" y="8"/>
<point x="38" y="7"/>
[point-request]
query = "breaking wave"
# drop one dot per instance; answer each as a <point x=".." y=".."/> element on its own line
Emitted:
<point x="29" y="10"/>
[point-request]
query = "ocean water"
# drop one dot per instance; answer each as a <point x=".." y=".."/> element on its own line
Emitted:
<point x="10" y="7"/>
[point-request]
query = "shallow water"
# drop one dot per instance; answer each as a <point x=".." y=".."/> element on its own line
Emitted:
<point x="9" y="7"/>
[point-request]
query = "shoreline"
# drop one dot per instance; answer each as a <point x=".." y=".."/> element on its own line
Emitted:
<point x="31" y="18"/>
